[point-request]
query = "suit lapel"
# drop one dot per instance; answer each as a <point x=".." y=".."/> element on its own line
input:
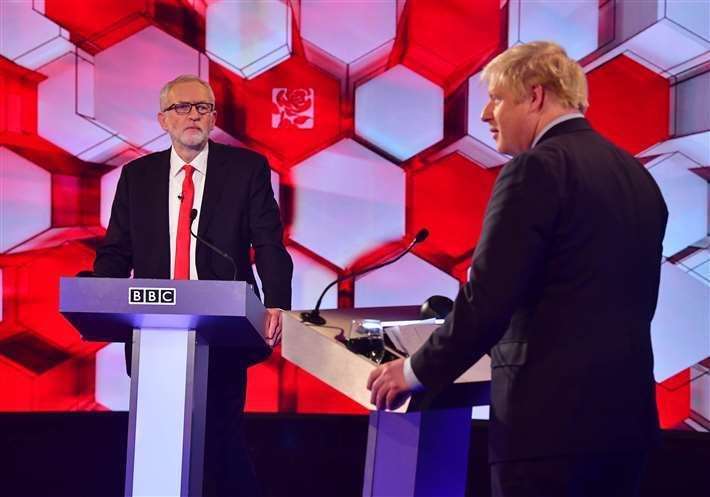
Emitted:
<point x="217" y="175"/>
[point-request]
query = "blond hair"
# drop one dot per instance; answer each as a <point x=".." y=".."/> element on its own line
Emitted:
<point x="539" y="63"/>
<point x="183" y="78"/>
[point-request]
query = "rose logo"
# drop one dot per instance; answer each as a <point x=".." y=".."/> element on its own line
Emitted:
<point x="292" y="108"/>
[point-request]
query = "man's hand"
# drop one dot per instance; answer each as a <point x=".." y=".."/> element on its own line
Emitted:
<point x="389" y="390"/>
<point x="273" y="326"/>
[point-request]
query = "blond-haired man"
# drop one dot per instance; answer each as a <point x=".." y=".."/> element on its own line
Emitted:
<point x="561" y="293"/>
<point x="149" y="234"/>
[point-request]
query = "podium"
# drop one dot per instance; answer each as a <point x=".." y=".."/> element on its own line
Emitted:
<point x="172" y="324"/>
<point x="419" y="450"/>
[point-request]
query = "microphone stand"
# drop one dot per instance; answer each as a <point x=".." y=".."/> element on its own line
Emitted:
<point x="314" y="316"/>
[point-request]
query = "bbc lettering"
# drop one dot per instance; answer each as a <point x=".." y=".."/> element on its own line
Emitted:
<point x="151" y="296"/>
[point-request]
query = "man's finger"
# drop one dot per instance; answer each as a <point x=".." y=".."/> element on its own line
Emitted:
<point x="270" y="326"/>
<point x="373" y="376"/>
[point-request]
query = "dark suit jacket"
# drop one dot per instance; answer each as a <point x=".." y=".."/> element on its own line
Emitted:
<point x="563" y="287"/>
<point x="238" y="211"/>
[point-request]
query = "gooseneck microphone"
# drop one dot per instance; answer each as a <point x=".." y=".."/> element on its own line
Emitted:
<point x="193" y="216"/>
<point x="314" y="316"/>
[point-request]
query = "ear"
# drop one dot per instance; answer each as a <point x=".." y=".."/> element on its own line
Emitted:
<point x="537" y="97"/>
<point x="161" y="121"/>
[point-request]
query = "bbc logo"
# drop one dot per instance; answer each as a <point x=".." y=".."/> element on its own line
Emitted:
<point x="151" y="296"/>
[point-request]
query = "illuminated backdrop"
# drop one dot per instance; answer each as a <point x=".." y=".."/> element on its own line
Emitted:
<point x="368" y="111"/>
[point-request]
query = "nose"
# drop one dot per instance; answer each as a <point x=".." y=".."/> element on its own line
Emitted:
<point x="486" y="114"/>
<point x="194" y="115"/>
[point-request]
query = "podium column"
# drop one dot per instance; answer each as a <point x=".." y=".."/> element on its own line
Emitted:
<point x="166" y="426"/>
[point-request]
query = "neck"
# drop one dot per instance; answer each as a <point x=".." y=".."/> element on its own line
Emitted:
<point x="188" y="154"/>
<point x="550" y="115"/>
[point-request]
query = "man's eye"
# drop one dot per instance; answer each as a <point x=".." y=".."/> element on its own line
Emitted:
<point x="182" y="107"/>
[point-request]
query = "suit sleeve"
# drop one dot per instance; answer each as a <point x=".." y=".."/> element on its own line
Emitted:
<point x="517" y="227"/>
<point x="273" y="262"/>
<point x="114" y="256"/>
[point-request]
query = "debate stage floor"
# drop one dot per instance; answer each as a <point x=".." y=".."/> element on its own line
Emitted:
<point x="83" y="454"/>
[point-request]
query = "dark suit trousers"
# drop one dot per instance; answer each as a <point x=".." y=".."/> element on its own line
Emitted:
<point x="587" y="475"/>
<point x="228" y="471"/>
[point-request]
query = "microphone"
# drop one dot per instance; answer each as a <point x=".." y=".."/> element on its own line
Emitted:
<point x="314" y="316"/>
<point x="180" y="198"/>
<point x="193" y="216"/>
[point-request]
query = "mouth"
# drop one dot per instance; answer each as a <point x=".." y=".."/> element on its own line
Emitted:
<point x="494" y="132"/>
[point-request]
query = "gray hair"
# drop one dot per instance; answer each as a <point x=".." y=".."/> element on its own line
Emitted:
<point x="183" y="78"/>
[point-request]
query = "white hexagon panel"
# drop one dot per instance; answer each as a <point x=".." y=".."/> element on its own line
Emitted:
<point x="409" y="281"/>
<point x="309" y="280"/>
<point x="680" y="330"/>
<point x="686" y="196"/>
<point x="250" y="36"/>
<point x="400" y="112"/>
<point x="25" y="199"/>
<point x="348" y="38"/>
<point x="113" y="385"/>
<point x="696" y="147"/>
<point x="666" y="36"/>
<point x="60" y="119"/>
<point x="27" y="37"/>
<point x="128" y="77"/>
<point x="574" y="25"/>
<point x="109" y="181"/>
<point x="348" y="200"/>
<point x="478" y="144"/>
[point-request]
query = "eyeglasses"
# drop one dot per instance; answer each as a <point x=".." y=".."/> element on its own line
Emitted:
<point x="184" y="108"/>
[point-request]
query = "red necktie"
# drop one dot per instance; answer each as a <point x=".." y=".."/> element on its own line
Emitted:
<point x="182" y="244"/>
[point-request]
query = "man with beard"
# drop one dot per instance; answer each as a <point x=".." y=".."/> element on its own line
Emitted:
<point x="149" y="234"/>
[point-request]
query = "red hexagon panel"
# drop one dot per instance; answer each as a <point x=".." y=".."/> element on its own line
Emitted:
<point x="447" y="41"/>
<point x="293" y="110"/>
<point x="620" y="93"/>
<point x="449" y="198"/>
<point x="297" y="113"/>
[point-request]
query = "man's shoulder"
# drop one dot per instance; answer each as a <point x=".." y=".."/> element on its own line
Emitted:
<point x="241" y="154"/>
<point x="140" y="165"/>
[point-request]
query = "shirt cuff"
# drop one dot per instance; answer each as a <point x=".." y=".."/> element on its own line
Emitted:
<point x="410" y="378"/>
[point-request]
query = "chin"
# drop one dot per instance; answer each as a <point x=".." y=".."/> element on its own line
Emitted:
<point x="194" y="141"/>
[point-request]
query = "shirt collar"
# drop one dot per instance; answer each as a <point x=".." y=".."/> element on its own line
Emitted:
<point x="199" y="162"/>
<point x="555" y="122"/>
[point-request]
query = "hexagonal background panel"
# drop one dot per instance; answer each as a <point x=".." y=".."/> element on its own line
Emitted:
<point x="113" y="385"/>
<point x="447" y="41"/>
<point x="680" y="330"/>
<point x="249" y="37"/>
<point x="25" y="199"/>
<point x="349" y="39"/>
<point x="574" y="25"/>
<point x="619" y="92"/>
<point x="450" y="192"/>
<point x="686" y="196"/>
<point x="59" y="119"/>
<point x="29" y="38"/>
<point x="289" y="92"/>
<point x="666" y="36"/>
<point x="129" y="104"/>
<point x="290" y="111"/>
<point x="409" y="281"/>
<point x="400" y="112"/>
<point x="365" y="198"/>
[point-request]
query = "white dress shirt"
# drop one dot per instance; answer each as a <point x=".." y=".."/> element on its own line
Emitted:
<point x="409" y="377"/>
<point x="177" y="175"/>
